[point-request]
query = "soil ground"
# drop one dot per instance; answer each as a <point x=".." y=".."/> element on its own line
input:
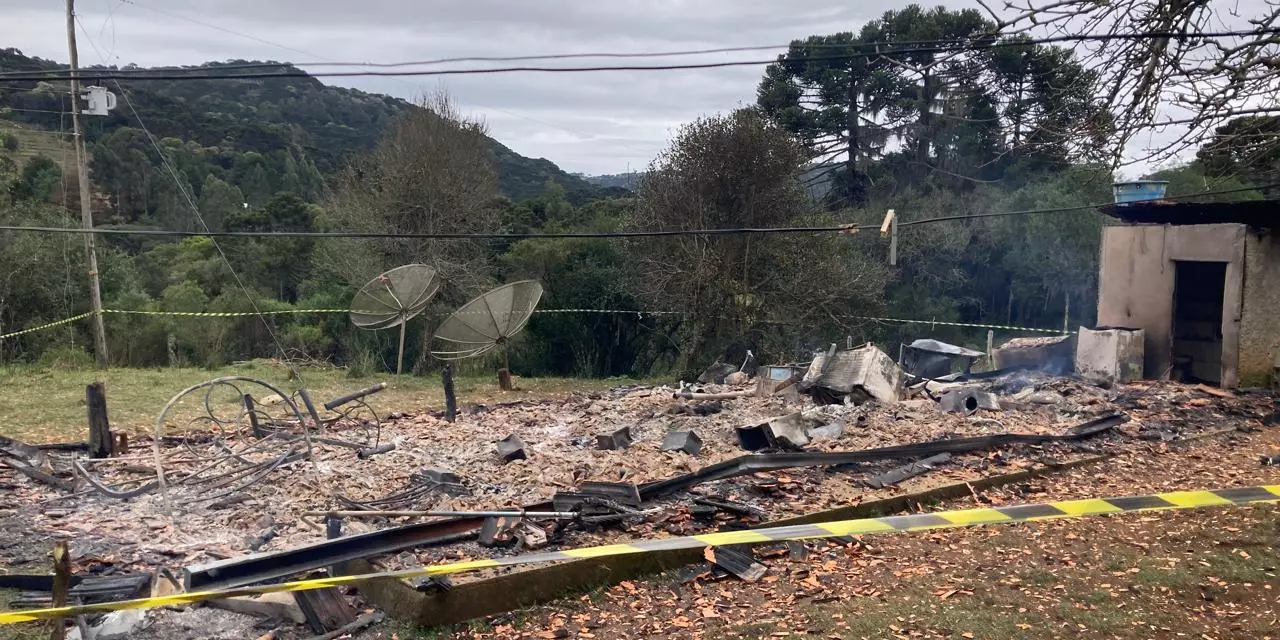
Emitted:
<point x="1209" y="573"/>
<point x="1204" y="573"/>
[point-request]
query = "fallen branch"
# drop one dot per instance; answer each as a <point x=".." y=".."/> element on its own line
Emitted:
<point x="363" y="621"/>
<point x="40" y="476"/>
<point x="689" y="395"/>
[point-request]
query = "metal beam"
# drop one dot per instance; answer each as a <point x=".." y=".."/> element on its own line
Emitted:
<point x="262" y="567"/>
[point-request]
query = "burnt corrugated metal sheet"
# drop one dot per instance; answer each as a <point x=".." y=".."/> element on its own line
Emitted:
<point x="1264" y="214"/>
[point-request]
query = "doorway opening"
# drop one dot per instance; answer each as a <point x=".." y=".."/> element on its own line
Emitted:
<point x="1198" y="291"/>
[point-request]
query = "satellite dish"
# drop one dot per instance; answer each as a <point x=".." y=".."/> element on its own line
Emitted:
<point x="392" y="298"/>
<point x="489" y="321"/>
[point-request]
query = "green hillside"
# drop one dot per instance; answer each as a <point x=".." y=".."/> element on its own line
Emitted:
<point x="259" y="135"/>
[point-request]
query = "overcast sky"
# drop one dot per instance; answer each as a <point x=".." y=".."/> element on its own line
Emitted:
<point x="585" y="122"/>
<point x="605" y="122"/>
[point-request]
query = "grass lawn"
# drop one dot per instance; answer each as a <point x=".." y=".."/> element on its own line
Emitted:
<point x="48" y="405"/>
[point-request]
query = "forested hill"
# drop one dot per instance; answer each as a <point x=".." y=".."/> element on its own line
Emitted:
<point x="296" y="129"/>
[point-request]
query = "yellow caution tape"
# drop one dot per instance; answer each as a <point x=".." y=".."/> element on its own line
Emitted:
<point x="42" y="327"/>
<point x="228" y="314"/>
<point x="962" y="324"/>
<point x="640" y="314"/>
<point x="889" y="524"/>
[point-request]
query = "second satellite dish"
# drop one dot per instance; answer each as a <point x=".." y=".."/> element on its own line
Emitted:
<point x="489" y="321"/>
<point x="393" y="298"/>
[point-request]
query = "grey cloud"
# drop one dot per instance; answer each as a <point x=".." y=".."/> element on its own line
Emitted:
<point x="586" y="122"/>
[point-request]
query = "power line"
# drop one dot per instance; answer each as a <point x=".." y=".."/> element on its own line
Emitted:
<point x="195" y="209"/>
<point x="902" y="46"/>
<point x="438" y="236"/>
<point x="337" y="63"/>
<point x="848" y="228"/>
<point x="289" y="69"/>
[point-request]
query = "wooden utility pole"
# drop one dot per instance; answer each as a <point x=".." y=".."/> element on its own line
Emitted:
<point x="86" y="205"/>
<point x="890" y="228"/>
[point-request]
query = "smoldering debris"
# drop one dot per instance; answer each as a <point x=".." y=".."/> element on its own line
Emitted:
<point x="232" y="488"/>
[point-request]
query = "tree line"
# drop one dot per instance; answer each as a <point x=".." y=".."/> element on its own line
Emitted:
<point x="832" y="139"/>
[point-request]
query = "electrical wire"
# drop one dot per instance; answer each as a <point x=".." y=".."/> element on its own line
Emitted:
<point x="436" y="236"/>
<point x="291" y="70"/>
<point x="195" y="209"/>
<point x="332" y="62"/>
<point x="846" y="228"/>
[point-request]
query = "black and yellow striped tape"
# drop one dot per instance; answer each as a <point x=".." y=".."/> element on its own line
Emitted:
<point x="223" y="314"/>
<point x="915" y="522"/>
<point x="641" y="314"/>
<point x="51" y="325"/>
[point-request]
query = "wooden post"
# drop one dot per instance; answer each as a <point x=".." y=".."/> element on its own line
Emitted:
<point x="333" y="531"/>
<point x="893" y="243"/>
<point x="101" y="442"/>
<point x="1066" y="316"/>
<point x="251" y="412"/>
<point x="61" y="584"/>
<point x="991" y="349"/>
<point x="504" y="374"/>
<point x="450" y="400"/>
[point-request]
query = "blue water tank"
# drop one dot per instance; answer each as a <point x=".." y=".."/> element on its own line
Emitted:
<point x="1139" y="191"/>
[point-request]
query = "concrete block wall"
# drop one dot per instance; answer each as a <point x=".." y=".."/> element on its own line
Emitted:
<point x="1136" y="284"/>
<point x="1260" y="315"/>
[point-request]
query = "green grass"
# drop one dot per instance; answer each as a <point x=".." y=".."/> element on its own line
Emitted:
<point x="47" y="405"/>
<point x="25" y="631"/>
<point x="910" y="608"/>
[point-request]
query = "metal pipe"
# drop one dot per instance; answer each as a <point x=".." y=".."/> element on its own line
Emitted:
<point x="338" y="402"/>
<point x="261" y="567"/>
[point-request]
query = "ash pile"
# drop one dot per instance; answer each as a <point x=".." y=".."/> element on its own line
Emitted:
<point x="242" y="484"/>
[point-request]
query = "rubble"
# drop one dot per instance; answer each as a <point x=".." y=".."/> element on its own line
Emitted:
<point x="716" y="373"/>
<point x="1049" y="354"/>
<point x="619" y="492"/>
<point x="511" y="448"/>
<point x="450" y="468"/>
<point x="933" y="359"/>
<point x="904" y="472"/>
<point x="967" y="400"/>
<point x="787" y="432"/>
<point x="325" y="609"/>
<point x="858" y="375"/>
<point x="281" y="606"/>
<point x="1111" y="354"/>
<point x="615" y="440"/>
<point x="686" y="441"/>
<point x="116" y="625"/>
<point x="832" y="431"/>
<point x="739" y="563"/>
